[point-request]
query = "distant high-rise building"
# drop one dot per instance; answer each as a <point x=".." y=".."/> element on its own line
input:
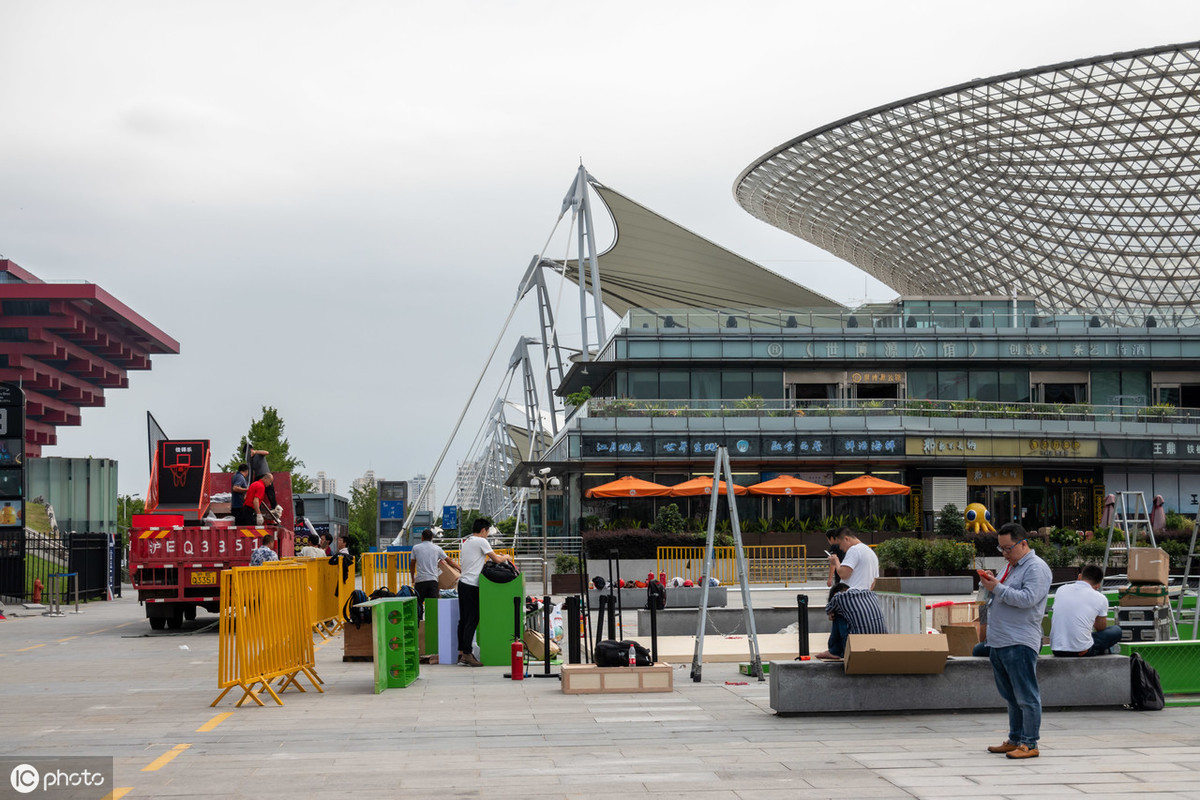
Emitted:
<point x="430" y="503"/>
<point x="468" y="489"/>
<point x="324" y="485"/>
<point x="367" y="481"/>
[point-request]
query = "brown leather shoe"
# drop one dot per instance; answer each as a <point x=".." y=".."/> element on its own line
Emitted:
<point x="1024" y="751"/>
<point x="471" y="661"/>
<point x="1007" y="747"/>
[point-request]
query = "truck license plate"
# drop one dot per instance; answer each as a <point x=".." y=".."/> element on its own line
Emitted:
<point x="204" y="579"/>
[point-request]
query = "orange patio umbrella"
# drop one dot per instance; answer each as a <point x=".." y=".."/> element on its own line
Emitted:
<point x="789" y="486"/>
<point x="865" y="485"/>
<point x="699" y="486"/>
<point x="629" y="486"/>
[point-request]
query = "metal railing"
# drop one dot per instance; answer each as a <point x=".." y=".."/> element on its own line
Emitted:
<point x="953" y="409"/>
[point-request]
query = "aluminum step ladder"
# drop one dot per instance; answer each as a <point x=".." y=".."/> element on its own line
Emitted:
<point x="1133" y="518"/>
<point x="1192" y="558"/>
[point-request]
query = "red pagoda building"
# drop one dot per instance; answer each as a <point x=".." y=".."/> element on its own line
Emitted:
<point x="65" y="343"/>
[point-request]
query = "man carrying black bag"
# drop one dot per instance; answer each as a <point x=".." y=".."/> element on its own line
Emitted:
<point x="474" y="554"/>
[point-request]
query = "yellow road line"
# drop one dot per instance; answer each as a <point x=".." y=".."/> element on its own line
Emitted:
<point x="165" y="758"/>
<point x="123" y="624"/>
<point x="102" y="630"/>
<point x="214" y="722"/>
<point x="31" y="647"/>
<point x="118" y="793"/>
<point x="69" y="638"/>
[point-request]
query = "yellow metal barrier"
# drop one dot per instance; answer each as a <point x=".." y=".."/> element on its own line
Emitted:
<point x="265" y="632"/>
<point x="327" y="592"/>
<point x="391" y="570"/>
<point x="764" y="563"/>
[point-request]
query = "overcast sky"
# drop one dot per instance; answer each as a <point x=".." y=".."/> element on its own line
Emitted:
<point x="329" y="205"/>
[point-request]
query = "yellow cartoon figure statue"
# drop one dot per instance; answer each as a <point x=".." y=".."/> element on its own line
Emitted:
<point x="978" y="519"/>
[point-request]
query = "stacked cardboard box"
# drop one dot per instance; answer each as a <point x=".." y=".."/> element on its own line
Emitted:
<point x="1149" y="568"/>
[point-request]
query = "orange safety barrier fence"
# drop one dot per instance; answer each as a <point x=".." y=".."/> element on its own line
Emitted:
<point x="265" y="632"/>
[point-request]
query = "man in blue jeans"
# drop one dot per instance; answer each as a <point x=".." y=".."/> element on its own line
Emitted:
<point x="1015" y="610"/>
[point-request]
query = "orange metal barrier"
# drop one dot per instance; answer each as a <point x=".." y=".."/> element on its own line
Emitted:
<point x="265" y="632"/>
<point x="764" y="563"/>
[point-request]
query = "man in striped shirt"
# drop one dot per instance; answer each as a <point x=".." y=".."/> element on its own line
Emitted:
<point x="860" y="610"/>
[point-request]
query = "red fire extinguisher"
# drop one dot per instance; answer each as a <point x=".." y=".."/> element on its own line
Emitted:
<point x="518" y="661"/>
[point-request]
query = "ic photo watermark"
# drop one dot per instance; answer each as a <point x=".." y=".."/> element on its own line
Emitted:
<point x="56" y="777"/>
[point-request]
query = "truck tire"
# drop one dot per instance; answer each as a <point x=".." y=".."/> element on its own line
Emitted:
<point x="157" y="623"/>
<point x="175" y="621"/>
<point x="189" y="613"/>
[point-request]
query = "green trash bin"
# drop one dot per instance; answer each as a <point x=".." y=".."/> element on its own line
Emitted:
<point x="497" y="621"/>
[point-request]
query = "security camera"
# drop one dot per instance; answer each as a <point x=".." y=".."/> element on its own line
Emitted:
<point x="544" y="471"/>
<point x="555" y="483"/>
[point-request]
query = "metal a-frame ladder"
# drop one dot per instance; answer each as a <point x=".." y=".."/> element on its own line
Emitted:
<point x="1135" y="522"/>
<point x="1192" y="557"/>
<point x="721" y="469"/>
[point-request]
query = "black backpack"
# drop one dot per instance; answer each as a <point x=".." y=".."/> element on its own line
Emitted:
<point x="351" y="612"/>
<point x="499" y="571"/>
<point x="1145" y="689"/>
<point x="656" y="596"/>
<point x="616" y="654"/>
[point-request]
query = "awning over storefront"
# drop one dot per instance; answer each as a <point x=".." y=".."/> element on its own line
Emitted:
<point x="629" y="486"/>
<point x="786" y="485"/>
<point x="701" y="486"/>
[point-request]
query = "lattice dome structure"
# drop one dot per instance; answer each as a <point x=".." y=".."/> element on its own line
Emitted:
<point x="1075" y="182"/>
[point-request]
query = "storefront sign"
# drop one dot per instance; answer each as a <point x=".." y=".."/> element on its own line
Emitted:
<point x="867" y="445"/>
<point x="995" y="476"/>
<point x="1059" y="448"/>
<point x="877" y="377"/>
<point x="976" y="447"/>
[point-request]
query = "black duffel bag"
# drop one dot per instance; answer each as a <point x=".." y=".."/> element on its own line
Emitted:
<point x="616" y="654"/>
<point x="499" y="571"/>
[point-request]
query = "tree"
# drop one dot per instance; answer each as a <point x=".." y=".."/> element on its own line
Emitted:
<point x="364" y="514"/>
<point x="127" y="506"/>
<point x="266" y="433"/>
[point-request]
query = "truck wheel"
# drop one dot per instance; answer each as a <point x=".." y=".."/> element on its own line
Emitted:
<point x="175" y="621"/>
<point x="189" y="613"/>
<point x="158" y="623"/>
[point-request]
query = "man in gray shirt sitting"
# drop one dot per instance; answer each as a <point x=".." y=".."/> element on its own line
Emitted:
<point x="1014" y="630"/>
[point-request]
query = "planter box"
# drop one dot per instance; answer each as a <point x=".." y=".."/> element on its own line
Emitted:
<point x="590" y="679"/>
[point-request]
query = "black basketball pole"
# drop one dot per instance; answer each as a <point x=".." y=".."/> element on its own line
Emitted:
<point x="802" y="622"/>
<point x="546" y="640"/>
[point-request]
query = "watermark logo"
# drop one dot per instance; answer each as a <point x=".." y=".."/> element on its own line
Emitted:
<point x="25" y="778"/>
<point x="58" y="777"/>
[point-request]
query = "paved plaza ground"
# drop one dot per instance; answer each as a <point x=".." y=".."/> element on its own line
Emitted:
<point x="100" y="683"/>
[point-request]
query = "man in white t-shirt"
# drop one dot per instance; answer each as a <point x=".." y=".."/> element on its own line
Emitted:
<point x="858" y="569"/>
<point x="475" y="551"/>
<point x="1079" y="625"/>
<point x="860" y="566"/>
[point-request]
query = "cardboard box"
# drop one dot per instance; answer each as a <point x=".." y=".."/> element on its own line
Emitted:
<point x="1143" y="595"/>
<point x="1148" y="565"/>
<point x="961" y="637"/>
<point x="447" y="576"/>
<point x="896" y="654"/>
<point x="953" y="613"/>
<point x="590" y="679"/>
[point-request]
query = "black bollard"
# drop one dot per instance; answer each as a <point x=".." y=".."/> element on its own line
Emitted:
<point x="802" y="608"/>
<point x="653" y="631"/>
<point x="546" y="639"/>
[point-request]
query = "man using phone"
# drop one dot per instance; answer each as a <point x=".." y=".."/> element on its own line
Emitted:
<point x="1016" y="606"/>
<point x="1079" y="626"/>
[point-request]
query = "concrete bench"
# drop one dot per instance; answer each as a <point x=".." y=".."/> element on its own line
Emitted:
<point x="681" y="597"/>
<point x="814" y="687"/>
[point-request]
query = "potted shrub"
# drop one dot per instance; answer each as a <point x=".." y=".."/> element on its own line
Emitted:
<point x="913" y="556"/>
<point x="947" y="557"/>
<point x="889" y="553"/>
<point x="566" y="578"/>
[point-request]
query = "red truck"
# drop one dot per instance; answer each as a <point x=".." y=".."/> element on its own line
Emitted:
<point x="178" y="548"/>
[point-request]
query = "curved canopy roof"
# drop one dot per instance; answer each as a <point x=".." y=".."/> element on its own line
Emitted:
<point x="1074" y="182"/>
<point x="654" y="263"/>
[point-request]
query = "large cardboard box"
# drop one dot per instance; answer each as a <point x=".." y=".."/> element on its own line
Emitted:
<point x="590" y="679"/>
<point x="953" y="613"/>
<point x="357" y="642"/>
<point x="1146" y="594"/>
<point x="447" y="576"/>
<point x="961" y="637"/>
<point x="1148" y="565"/>
<point x="896" y="654"/>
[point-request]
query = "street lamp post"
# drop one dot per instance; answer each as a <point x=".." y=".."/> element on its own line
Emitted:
<point x="541" y="480"/>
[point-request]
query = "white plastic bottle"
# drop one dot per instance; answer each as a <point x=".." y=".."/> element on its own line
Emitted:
<point x="632" y="657"/>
